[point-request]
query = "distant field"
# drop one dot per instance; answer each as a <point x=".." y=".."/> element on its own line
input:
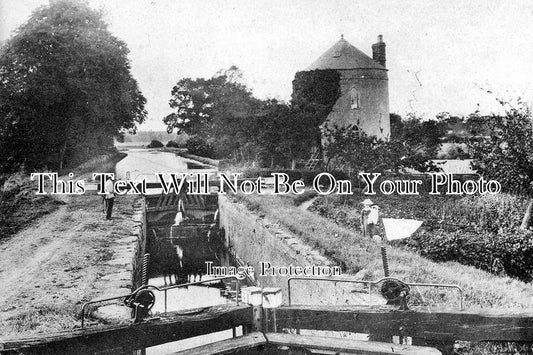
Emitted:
<point x="455" y="166"/>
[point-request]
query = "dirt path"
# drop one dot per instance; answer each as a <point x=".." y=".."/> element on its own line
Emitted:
<point x="56" y="263"/>
<point x="306" y="204"/>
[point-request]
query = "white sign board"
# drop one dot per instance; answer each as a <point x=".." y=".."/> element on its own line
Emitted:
<point x="396" y="228"/>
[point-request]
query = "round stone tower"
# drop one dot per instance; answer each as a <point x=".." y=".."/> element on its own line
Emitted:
<point x="364" y="100"/>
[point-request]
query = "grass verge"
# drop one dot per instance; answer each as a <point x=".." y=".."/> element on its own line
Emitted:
<point x="361" y="255"/>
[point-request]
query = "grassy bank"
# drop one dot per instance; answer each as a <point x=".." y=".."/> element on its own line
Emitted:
<point x="209" y="161"/>
<point x="19" y="204"/>
<point x="362" y="256"/>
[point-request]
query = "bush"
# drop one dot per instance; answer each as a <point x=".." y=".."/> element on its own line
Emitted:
<point x="454" y="151"/>
<point x="200" y="146"/>
<point x="155" y="144"/>
<point x="479" y="214"/>
<point x="307" y="176"/>
<point x="348" y="148"/>
<point x="172" y="144"/>
<point x="510" y="252"/>
<point x="506" y="153"/>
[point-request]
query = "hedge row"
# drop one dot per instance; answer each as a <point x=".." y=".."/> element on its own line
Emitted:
<point x="481" y="231"/>
<point x="509" y="252"/>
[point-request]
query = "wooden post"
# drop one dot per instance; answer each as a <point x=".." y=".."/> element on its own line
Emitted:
<point x="254" y="297"/>
<point x="272" y="299"/>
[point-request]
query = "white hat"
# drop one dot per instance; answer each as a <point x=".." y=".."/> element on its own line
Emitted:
<point x="367" y="202"/>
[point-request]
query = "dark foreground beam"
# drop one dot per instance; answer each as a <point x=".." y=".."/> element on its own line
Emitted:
<point x="121" y="339"/>
<point x="430" y="324"/>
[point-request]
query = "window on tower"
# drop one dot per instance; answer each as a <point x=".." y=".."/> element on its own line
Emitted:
<point x="355" y="100"/>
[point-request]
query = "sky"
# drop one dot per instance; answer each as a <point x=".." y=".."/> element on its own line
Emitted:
<point x="441" y="55"/>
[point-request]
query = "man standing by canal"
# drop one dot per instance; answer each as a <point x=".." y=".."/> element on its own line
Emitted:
<point x="109" y="197"/>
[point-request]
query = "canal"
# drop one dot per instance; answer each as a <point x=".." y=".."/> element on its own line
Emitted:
<point x="145" y="163"/>
<point x="179" y="245"/>
<point x="178" y="255"/>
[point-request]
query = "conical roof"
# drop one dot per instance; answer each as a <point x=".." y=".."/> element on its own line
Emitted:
<point x="344" y="56"/>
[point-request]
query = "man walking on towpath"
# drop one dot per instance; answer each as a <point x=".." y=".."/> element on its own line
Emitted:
<point x="109" y="197"/>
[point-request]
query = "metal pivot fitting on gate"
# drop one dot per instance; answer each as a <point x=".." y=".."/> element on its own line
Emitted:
<point x="142" y="299"/>
<point x="140" y="303"/>
<point x="395" y="292"/>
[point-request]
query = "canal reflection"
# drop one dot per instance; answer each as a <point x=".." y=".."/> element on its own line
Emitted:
<point x="176" y="259"/>
<point x="179" y="251"/>
<point x="144" y="164"/>
<point x="179" y="248"/>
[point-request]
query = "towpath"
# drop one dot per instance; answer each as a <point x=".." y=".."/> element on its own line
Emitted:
<point x="58" y="262"/>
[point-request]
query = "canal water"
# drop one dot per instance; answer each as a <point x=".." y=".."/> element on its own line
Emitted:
<point x="178" y="259"/>
<point x="146" y="163"/>
<point x="179" y="248"/>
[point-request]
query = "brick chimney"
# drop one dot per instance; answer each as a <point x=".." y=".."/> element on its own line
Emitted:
<point x="378" y="51"/>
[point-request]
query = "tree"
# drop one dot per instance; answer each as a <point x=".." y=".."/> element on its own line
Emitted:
<point x="349" y="148"/>
<point x="314" y="94"/>
<point x="478" y="125"/>
<point x="224" y="113"/>
<point x="65" y="89"/>
<point x="278" y="134"/>
<point x="215" y="109"/>
<point x="264" y="133"/>
<point x="505" y="153"/>
<point x="420" y="136"/>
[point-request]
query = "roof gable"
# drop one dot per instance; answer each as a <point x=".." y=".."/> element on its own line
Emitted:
<point x="342" y="55"/>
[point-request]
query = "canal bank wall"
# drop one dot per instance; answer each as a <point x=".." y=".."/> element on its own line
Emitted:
<point x="123" y="272"/>
<point x="253" y="239"/>
<point x="140" y="232"/>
